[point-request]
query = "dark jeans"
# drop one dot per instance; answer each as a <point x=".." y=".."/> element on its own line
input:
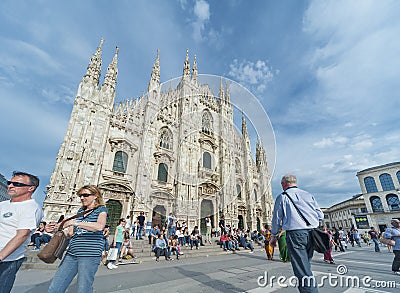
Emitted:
<point x="301" y="253"/>
<point x="376" y="241"/>
<point x="194" y="243"/>
<point x="160" y="251"/>
<point x="139" y="232"/>
<point x="8" y="270"/>
<point x="396" y="261"/>
<point x="44" y="238"/>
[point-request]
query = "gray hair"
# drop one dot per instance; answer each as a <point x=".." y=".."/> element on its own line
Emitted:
<point x="33" y="180"/>
<point x="289" y="179"/>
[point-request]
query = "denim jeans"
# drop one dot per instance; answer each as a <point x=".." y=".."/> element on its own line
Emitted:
<point x="45" y="238"/>
<point x="376" y="244"/>
<point x="139" y="232"/>
<point x="171" y="231"/>
<point x="194" y="243"/>
<point x="8" y="270"/>
<point x="301" y="253"/>
<point x="85" y="266"/>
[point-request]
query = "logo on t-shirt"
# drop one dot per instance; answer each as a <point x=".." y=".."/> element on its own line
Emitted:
<point x="7" y="215"/>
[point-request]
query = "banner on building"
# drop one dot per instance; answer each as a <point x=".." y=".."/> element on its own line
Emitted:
<point x="362" y="222"/>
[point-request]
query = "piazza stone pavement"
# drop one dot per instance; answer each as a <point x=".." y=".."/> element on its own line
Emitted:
<point x="357" y="270"/>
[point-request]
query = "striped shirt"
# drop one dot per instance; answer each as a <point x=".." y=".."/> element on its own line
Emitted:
<point x="84" y="242"/>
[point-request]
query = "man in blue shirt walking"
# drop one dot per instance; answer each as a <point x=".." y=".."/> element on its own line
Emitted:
<point x="298" y="241"/>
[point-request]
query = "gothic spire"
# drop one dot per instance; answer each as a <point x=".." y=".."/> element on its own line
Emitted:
<point x="155" y="74"/>
<point x="244" y="126"/>
<point x="228" y="94"/>
<point x="94" y="67"/>
<point x="221" y="90"/>
<point x="258" y="151"/>
<point x="186" y="67"/>
<point x="111" y="76"/>
<point x="194" y="71"/>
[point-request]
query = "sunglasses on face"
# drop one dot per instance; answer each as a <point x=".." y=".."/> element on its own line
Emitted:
<point x="17" y="184"/>
<point x="85" y="194"/>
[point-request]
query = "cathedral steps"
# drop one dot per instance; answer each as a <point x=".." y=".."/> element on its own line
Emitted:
<point x="142" y="251"/>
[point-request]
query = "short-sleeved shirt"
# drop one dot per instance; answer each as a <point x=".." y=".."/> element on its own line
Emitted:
<point x="84" y="242"/>
<point x="373" y="234"/>
<point x="120" y="234"/>
<point x="17" y="216"/>
<point x="141" y="220"/>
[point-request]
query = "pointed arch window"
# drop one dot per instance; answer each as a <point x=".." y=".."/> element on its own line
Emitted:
<point x="238" y="191"/>
<point x="398" y="176"/>
<point x="376" y="204"/>
<point x="238" y="170"/>
<point x="207" y="160"/>
<point x="255" y="195"/>
<point x="162" y="174"/>
<point x="393" y="202"/>
<point x="166" y="139"/>
<point x="386" y="182"/>
<point x="120" y="162"/>
<point x="206" y="123"/>
<point x="370" y="184"/>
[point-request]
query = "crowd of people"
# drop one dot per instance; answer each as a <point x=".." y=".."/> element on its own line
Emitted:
<point x="295" y="213"/>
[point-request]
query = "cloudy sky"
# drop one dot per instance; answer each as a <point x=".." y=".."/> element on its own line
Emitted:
<point x="326" y="73"/>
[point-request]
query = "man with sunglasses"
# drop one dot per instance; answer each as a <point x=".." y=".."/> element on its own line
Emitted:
<point x="19" y="218"/>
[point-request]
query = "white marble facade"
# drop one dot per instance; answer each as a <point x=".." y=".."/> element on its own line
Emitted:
<point x="171" y="150"/>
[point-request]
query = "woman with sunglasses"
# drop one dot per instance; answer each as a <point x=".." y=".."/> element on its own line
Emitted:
<point x="86" y="245"/>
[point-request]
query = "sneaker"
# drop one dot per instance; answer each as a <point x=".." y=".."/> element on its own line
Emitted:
<point x="396" y="273"/>
<point x="251" y="251"/>
<point x="35" y="249"/>
<point x="110" y="266"/>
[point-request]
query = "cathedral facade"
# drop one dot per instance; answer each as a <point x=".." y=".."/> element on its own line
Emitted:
<point x="172" y="150"/>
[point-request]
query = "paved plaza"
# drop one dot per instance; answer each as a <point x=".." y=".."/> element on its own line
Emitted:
<point x="234" y="272"/>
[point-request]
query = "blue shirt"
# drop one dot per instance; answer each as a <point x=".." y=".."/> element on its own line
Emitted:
<point x="395" y="233"/>
<point x="286" y="216"/>
<point x="84" y="242"/>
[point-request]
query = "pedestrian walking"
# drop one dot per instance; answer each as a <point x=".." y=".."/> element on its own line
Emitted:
<point x="19" y="218"/>
<point x="394" y="233"/>
<point x="298" y="241"/>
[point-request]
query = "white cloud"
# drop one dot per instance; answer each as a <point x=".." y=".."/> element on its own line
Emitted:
<point x="255" y="75"/>
<point x="202" y="13"/>
<point x="57" y="94"/>
<point x="334" y="140"/>
<point x="355" y="56"/>
<point x="202" y="10"/>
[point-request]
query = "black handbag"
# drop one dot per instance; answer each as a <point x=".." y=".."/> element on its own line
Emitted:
<point x="319" y="239"/>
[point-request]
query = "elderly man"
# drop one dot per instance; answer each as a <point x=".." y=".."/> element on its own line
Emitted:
<point x="394" y="233"/>
<point x="19" y="217"/>
<point x="287" y="217"/>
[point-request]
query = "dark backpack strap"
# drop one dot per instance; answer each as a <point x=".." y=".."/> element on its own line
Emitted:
<point x="297" y="209"/>
<point x="60" y="228"/>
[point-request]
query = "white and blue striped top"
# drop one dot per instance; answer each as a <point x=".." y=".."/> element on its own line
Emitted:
<point x="84" y="242"/>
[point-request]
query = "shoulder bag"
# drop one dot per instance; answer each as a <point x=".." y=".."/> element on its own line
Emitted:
<point x="388" y="241"/>
<point x="58" y="243"/>
<point x="319" y="239"/>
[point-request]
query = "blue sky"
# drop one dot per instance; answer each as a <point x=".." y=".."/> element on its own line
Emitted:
<point x="326" y="73"/>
